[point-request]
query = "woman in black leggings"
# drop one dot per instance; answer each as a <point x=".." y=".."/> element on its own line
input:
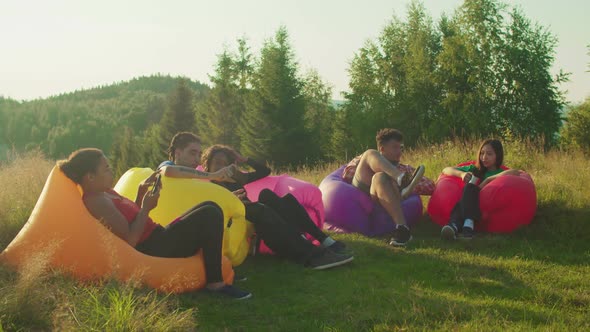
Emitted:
<point x="279" y="221"/>
<point x="201" y="228"/>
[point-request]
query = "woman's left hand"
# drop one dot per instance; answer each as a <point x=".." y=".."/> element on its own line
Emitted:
<point x="148" y="181"/>
<point x="145" y="184"/>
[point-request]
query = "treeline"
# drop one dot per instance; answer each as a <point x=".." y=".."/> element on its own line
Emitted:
<point x="482" y="71"/>
<point x="61" y="124"/>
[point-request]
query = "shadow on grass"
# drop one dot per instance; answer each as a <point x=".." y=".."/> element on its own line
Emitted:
<point x="558" y="235"/>
<point x="383" y="286"/>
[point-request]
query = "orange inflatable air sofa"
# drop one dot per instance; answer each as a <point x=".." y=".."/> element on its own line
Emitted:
<point x="61" y="228"/>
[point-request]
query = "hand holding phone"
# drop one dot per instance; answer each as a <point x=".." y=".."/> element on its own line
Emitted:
<point x="157" y="184"/>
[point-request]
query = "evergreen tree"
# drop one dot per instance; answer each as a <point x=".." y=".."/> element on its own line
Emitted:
<point x="319" y="117"/>
<point x="179" y="114"/>
<point x="218" y="115"/>
<point x="273" y="123"/>
<point x="153" y="153"/>
<point x="123" y="152"/>
<point x="243" y="66"/>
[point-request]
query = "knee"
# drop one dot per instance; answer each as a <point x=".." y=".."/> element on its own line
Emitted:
<point x="266" y="195"/>
<point x="290" y="197"/>
<point x="212" y="211"/>
<point x="371" y="153"/>
<point x="381" y="179"/>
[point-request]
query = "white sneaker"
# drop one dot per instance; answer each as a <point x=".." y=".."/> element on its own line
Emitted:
<point x="416" y="177"/>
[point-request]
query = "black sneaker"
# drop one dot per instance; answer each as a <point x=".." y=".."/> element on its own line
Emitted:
<point x="408" y="183"/>
<point x="449" y="232"/>
<point x="340" y="248"/>
<point x="328" y="259"/>
<point x="401" y="236"/>
<point x="467" y="233"/>
<point x="231" y="291"/>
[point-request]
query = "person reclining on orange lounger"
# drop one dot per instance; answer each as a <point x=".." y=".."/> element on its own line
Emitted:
<point x="201" y="228"/>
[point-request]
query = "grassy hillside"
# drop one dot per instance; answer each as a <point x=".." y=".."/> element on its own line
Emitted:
<point x="533" y="279"/>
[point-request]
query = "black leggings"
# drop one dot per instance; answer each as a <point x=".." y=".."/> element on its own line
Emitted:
<point x="283" y="237"/>
<point x="467" y="207"/>
<point x="289" y="208"/>
<point x="199" y="228"/>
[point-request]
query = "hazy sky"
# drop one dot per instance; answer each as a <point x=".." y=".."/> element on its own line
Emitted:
<point x="56" y="46"/>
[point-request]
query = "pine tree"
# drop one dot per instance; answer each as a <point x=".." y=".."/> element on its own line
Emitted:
<point x="218" y="115"/>
<point x="243" y="66"/>
<point x="273" y="123"/>
<point x="179" y="114"/>
<point x="123" y="152"/>
<point x="319" y="117"/>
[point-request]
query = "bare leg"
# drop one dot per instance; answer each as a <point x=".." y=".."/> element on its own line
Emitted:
<point x="387" y="193"/>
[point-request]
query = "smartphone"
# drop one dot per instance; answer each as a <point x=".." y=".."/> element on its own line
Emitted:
<point x="156" y="187"/>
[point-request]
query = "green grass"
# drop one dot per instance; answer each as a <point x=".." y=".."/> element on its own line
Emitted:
<point x="537" y="278"/>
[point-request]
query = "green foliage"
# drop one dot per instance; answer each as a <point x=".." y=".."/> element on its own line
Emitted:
<point x="148" y="148"/>
<point x="482" y="72"/>
<point x="179" y="114"/>
<point x="272" y="125"/>
<point x="319" y="117"/>
<point x="576" y="131"/>
<point x="127" y="151"/>
<point x="219" y="115"/>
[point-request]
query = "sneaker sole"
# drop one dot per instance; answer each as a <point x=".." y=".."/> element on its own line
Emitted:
<point x="243" y="298"/>
<point x="400" y="244"/>
<point x="448" y="233"/>
<point x="416" y="177"/>
<point x="338" y="263"/>
<point x="227" y="296"/>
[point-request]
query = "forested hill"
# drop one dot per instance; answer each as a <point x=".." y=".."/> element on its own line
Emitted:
<point x="93" y="117"/>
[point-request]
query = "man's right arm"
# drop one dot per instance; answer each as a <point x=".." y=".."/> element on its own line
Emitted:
<point x="175" y="171"/>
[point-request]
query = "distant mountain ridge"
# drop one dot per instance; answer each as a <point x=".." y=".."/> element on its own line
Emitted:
<point x="63" y="122"/>
<point x="155" y="83"/>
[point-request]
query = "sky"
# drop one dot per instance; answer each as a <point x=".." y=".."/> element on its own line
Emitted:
<point x="57" y="46"/>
